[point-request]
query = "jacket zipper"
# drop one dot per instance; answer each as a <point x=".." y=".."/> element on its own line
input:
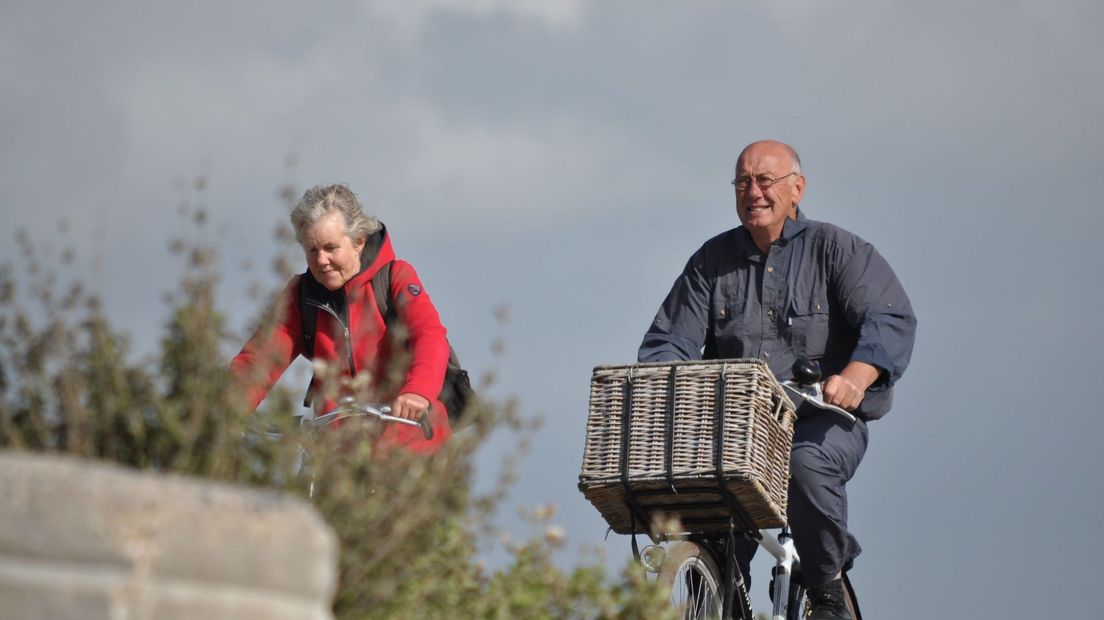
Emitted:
<point x="348" y="338"/>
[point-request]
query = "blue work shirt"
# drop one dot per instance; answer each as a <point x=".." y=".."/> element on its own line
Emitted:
<point x="819" y="292"/>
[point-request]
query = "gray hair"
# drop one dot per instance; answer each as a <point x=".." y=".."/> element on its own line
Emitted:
<point x="796" y="158"/>
<point x="321" y="200"/>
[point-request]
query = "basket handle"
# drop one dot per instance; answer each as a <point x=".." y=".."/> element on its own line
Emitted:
<point x="778" y="408"/>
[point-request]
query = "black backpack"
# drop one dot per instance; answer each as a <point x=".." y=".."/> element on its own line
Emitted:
<point x="456" y="393"/>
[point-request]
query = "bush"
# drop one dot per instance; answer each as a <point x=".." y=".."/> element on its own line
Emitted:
<point x="408" y="526"/>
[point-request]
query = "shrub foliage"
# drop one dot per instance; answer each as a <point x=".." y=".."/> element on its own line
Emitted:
<point x="409" y="526"/>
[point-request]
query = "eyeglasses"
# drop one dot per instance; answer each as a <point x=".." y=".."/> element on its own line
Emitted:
<point x="743" y="184"/>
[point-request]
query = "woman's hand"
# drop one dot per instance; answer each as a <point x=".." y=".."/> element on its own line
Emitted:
<point x="409" y="406"/>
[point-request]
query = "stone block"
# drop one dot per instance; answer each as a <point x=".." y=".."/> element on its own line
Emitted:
<point x="89" y="540"/>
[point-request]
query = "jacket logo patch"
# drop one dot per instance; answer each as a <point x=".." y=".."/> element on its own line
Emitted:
<point x="414" y="289"/>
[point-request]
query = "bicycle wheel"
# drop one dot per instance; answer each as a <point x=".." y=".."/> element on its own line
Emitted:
<point x="691" y="573"/>
<point x="799" y="603"/>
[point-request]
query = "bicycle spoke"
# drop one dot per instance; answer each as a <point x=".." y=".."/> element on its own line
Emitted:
<point x="694" y="594"/>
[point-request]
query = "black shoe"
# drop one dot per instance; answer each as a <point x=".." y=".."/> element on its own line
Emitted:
<point x="828" y="602"/>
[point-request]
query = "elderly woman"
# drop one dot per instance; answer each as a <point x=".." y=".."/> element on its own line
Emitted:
<point x="344" y="249"/>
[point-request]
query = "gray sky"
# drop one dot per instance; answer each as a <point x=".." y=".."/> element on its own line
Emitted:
<point x="565" y="158"/>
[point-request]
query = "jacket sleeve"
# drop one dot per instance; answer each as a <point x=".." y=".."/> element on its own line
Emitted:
<point x="271" y="348"/>
<point x="876" y="305"/>
<point x="679" y="329"/>
<point x="429" y="349"/>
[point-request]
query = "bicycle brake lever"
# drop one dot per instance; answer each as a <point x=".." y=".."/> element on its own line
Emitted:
<point x="423" y="423"/>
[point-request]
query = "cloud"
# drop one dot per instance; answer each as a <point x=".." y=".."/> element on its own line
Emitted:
<point x="124" y="110"/>
<point x="410" y="18"/>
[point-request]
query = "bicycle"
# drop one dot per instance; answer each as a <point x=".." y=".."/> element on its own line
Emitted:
<point x="702" y="571"/>
<point x="347" y="408"/>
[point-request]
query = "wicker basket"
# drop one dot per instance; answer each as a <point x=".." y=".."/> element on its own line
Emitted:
<point x="652" y="451"/>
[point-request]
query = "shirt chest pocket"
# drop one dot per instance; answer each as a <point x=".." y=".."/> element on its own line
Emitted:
<point x="808" y="325"/>
<point x="728" y="313"/>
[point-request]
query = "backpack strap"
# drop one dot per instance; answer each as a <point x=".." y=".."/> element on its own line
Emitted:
<point x="308" y="321"/>
<point x="308" y="317"/>
<point x="381" y="287"/>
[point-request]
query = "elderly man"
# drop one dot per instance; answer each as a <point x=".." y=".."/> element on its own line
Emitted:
<point x="780" y="288"/>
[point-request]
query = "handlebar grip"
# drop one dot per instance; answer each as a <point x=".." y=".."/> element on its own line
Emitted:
<point x="423" y="423"/>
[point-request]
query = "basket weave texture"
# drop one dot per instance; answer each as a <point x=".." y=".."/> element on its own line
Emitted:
<point x="671" y="467"/>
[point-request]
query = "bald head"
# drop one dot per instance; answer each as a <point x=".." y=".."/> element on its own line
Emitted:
<point x="773" y="148"/>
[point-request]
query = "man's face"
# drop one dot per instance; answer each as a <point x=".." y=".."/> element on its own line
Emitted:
<point x="763" y="210"/>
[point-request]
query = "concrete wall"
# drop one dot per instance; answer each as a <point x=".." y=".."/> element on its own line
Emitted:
<point x="86" y="540"/>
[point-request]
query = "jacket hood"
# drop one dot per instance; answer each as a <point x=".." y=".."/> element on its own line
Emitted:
<point x="376" y="254"/>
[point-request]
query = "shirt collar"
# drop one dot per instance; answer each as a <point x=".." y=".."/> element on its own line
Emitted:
<point x="790" y="229"/>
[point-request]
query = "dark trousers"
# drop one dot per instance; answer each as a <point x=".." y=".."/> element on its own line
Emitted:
<point x="827" y="449"/>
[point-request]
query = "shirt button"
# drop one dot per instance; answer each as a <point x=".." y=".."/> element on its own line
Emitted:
<point x="770" y="312"/>
<point x="770" y="269"/>
<point x="766" y="353"/>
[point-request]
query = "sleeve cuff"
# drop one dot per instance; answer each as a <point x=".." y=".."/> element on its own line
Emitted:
<point x="875" y="356"/>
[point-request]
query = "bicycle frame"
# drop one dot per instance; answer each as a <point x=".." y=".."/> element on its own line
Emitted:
<point x="785" y="555"/>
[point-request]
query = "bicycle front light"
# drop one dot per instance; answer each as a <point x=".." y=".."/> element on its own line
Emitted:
<point x="652" y="558"/>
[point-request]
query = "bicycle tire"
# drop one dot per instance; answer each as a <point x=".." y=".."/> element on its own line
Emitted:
<point x="797" y="609"/>
<point x="690" y="572"/>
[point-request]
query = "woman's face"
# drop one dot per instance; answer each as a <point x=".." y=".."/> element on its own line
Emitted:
<point x="332" y="257"/>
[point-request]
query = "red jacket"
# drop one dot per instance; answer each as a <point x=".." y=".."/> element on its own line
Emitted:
<point x="269" y="352"/>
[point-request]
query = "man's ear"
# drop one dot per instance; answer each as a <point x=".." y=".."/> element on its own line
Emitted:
<point x="797" y="192"/>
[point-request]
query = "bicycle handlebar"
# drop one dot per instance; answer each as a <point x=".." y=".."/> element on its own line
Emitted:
<point x="349" y="408"/>
<point x="806" y="387"/>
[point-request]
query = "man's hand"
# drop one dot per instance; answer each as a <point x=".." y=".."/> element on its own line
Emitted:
<point x="846" y="390"/>
<point x="409" y="406"/>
